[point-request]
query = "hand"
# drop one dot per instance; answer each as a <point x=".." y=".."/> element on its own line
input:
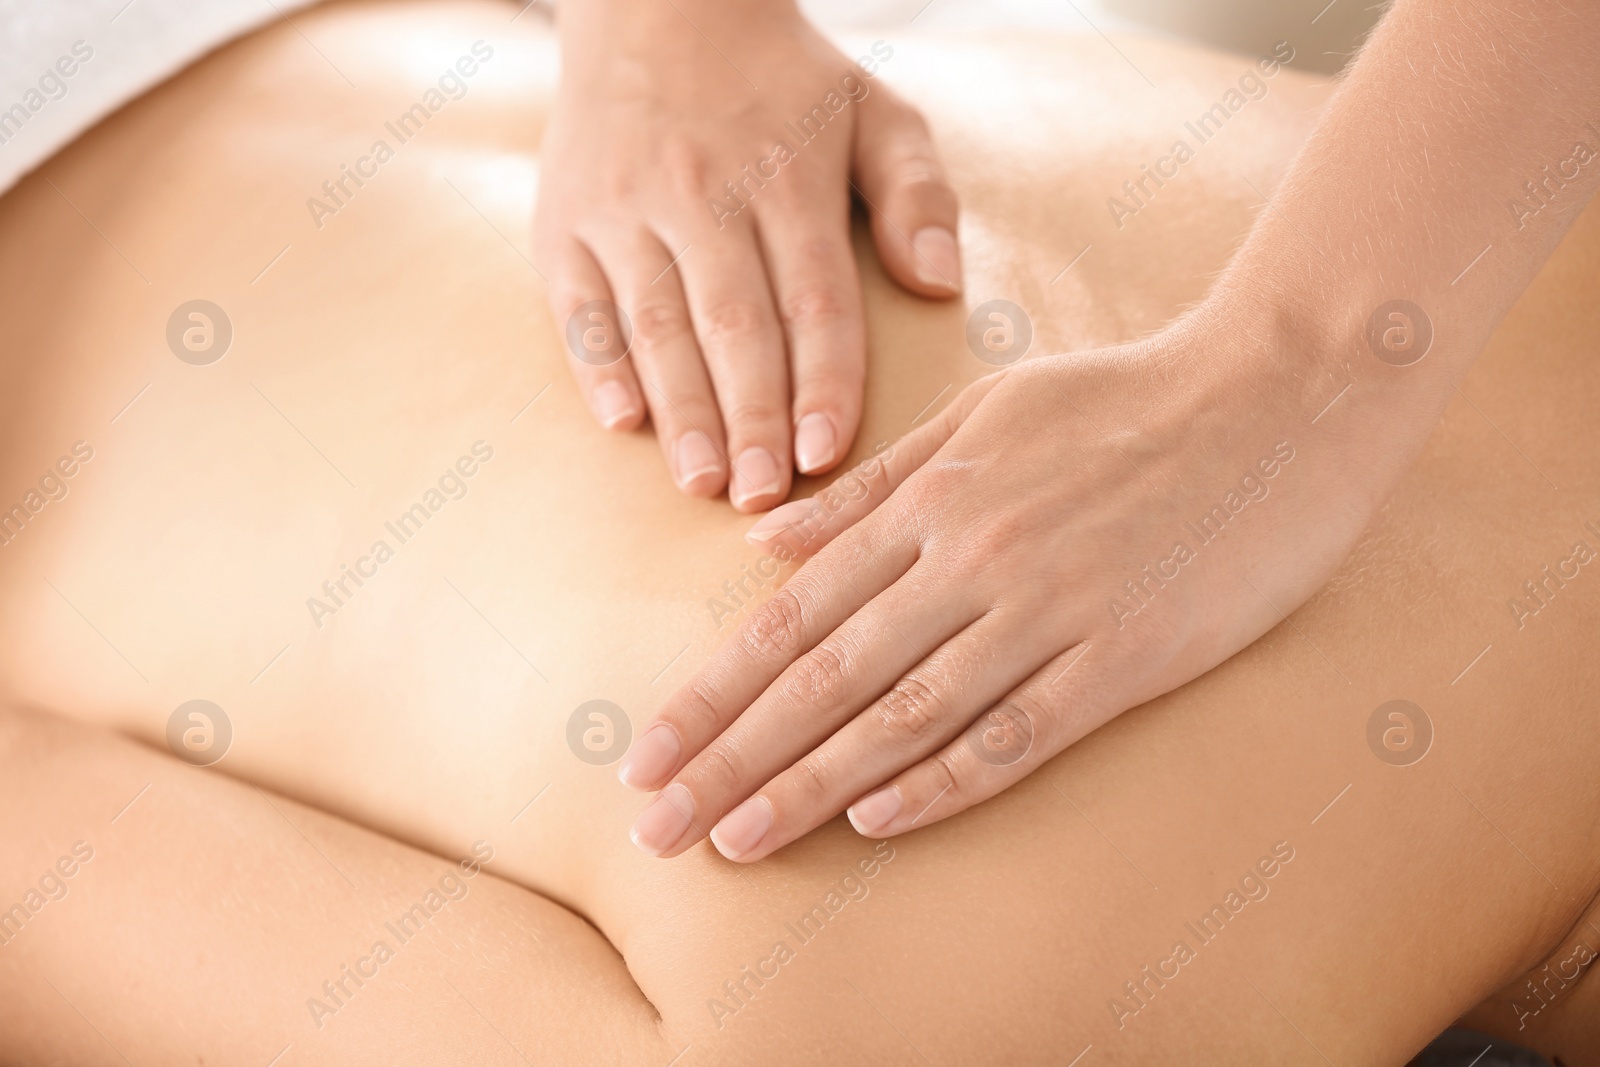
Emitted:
<point x="1071" y="537"/>
<point x="664" y="189"/>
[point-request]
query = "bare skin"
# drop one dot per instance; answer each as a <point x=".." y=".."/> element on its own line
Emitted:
<point x="431" y="710"/>
<point x="699" y="172"/>
<point x="1043" y="522"/>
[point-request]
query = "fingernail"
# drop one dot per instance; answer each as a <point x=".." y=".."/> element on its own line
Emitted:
<point x="651" y="758"/>
<point x="814" y="442"/>
<point x="696" y="458"/>
<point x="755" y="474"/>
<point x="871" y="814"/>
<point x="742" y="829"/>
<point x="612" y="404"/>
<point x="660" y="825"/>
<point x="781" y="518"/>
<point x="938" y="258"/>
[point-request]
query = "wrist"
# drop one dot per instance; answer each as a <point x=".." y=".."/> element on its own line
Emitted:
<point x="601" y="32"/>
<point x="1308" y="337"/>
<point x="1262" y="357"/>
<point x="1331" y="368"/>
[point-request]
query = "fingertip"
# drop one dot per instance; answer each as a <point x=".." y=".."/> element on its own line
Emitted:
<point x="705" y="486"/>
<point x="661" y="827"/>
<point x="872" y="814"/>
<point x="758" y="481"/>
<point x="697" y="465"/>
<point x="816" y="443"/>
<point x="740" y="834"/>
<point x="616" y="407"/>
<point x="936" y="260"/>
<point x="915" y="211"/>
<point x="651" y="759"/>
<point x="781" y="520"/>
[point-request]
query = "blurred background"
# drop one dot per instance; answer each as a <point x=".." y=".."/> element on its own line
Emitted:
<point x="1324" y="34"/>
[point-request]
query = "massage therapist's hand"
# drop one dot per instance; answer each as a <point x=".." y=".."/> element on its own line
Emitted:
<point x="697" y="171"/>
<point x="1070" y="538"/>
<point x="1081" y="533"/>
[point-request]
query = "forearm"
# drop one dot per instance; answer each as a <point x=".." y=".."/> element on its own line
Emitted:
<point x="1457" y="152"/>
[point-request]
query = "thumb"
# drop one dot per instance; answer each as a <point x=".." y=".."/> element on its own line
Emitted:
<point x="802" y="527"/>
<point x="913" y="209"/>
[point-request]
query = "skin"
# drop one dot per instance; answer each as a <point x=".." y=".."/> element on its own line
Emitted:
<point x="431" y="711"/>
<point x="741" y="333"/>
<point x="996" y="582"/>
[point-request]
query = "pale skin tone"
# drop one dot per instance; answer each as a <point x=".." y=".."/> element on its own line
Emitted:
<point x="699" y="172"/>
<point x="999" y="572"/>
<point x="996" y="937"/>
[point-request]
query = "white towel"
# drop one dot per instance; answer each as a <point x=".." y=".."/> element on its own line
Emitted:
<point x="66" y="64"/>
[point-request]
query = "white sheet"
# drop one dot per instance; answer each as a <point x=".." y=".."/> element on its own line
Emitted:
<point x="122" y="49"/>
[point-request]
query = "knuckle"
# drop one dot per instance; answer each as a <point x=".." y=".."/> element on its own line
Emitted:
<point x="796" y="199"/>
<point x="818" y="254"/>
<point x="938" y="480"/>
<point x="913" y="162"/>
<point x="920" y="175"/>
<point x="819" y="678"/>
<point x="717" y="767"/>
<point x="657" y="324"/>
<point x="943" y="770"/>
<point x="685" y="167"/>
<point x="1034" y="711"/>
<point x="811" y="780"/>
<point x="988" y="547"/>
<point x="919" y="179"/>
<point x="732" y="320"/>
<point x="908" y="153"/>
<point x="928" y="498"/>
<point x="909" y="712"/>
<point x="1172" y="624"/>
<point x="992" y="543"/>
<point x="1003" y="737"/>
<point x="694" y="712"/>
<point x="775" y="629"/>
<point x="1032" y="708"/>
<point x="749" y="413"/>
<point x="616" y="187"/>
<point x="812" y="306"/>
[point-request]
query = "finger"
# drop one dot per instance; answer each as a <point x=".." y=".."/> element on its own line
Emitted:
<point x="597" y="339"/>
<point x="932" y="704"/>
<point x="826" y="591"/>
<point x="821" y="692"/>
<point x="788" y="626"/>
<point x="1061" y="703"/>
<point x="807" y="248"/>
<point x="667" y="360"/>
<point x="801" y="528"/>
<point x="730" y="301"/>
<point x="913" y="209"/>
